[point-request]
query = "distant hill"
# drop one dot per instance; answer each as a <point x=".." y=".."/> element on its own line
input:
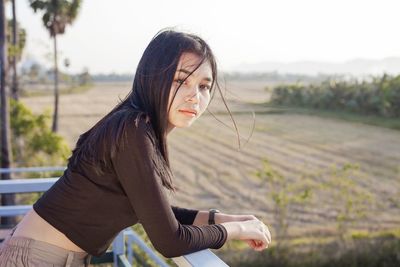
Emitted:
<point x="357" y="67"/>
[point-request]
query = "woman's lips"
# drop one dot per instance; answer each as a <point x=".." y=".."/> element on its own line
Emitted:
<point x="188" y="113"/>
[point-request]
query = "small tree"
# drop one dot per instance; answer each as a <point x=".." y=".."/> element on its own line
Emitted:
<point x="84" y="77"/>
<point x="285" y="195"/>
<point x="351" y="202"/>
<point x="34" y="143"/>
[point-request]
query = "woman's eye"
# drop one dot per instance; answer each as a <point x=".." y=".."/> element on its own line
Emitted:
<point x="180" y="81"/>
<point x="205" y="87"/>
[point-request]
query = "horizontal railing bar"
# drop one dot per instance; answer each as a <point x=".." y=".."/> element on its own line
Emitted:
<point x="26" y="185"/>
<point x="31" y="169"/>
<point x="203" y="258"/>
<point x="14" y="210"/>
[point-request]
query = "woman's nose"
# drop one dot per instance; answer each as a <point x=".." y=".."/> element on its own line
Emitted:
<point x="194" y="96"/>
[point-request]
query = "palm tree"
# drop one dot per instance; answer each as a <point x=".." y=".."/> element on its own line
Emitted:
<point x="16" y="37"/>
<point x="56" y="15"/>
<point x="15" y="46"/>
<point x="6" y="152"/>
<point x="14" y="89"/>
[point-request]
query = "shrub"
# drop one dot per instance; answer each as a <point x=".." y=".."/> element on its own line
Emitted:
<point x="380" y="97"/>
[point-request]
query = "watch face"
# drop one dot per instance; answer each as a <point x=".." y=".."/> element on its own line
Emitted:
<point x="214" y="210"/>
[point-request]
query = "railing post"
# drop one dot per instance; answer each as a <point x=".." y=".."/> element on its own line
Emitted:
<point x="118" y="247"/>
<point x="135" y="238"/>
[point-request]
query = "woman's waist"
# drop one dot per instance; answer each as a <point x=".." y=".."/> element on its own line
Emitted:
<point x="35" y="227"/>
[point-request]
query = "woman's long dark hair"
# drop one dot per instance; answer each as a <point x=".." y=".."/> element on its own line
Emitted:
<point x="149" y="98"/>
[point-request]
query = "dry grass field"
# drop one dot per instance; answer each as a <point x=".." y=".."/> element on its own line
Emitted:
<point x="211" y="171"/>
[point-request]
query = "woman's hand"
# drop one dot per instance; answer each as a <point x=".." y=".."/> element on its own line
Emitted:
<point x="244" y="227"/>
<point x="254" y="244"/>
<point x="254" y="232"/>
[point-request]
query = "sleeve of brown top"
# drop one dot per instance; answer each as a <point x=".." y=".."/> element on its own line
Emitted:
<point x="133" y="164"/>
<point x="184" y="216"/>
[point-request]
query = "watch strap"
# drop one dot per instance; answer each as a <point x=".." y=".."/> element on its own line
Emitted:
<point x="211" y="216"/>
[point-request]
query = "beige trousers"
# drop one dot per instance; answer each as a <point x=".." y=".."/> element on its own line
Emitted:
<point x="18" y="251"/>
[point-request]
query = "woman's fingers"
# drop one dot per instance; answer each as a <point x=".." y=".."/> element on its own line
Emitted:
<point x="267" y="234"/>
<point x="251" y="243"/>
<point x="265" y="238"/>
<point x="256" y="234"/>
<point x="260" y="246"/>
<point x="255" y="244"/>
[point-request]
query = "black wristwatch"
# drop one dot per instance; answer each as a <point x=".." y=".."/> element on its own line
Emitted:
<point x="211" y="215"/>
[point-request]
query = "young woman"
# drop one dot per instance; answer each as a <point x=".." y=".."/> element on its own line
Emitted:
<point x="119" y="171"/>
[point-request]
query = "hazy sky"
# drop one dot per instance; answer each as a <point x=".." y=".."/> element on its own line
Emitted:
<point x="111" y="35"/>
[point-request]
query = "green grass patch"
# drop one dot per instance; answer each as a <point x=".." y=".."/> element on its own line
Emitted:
<point x="367" y="249"/>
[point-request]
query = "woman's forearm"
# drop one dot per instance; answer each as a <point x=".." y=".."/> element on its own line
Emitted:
<point x="202" y="218"/>
<point x="233" y="229"/>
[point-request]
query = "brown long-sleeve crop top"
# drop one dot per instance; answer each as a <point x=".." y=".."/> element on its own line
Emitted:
<point x="91" y="209"/>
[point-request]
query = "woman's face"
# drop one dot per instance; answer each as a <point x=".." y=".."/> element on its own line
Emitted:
<point x="193" y="95"/>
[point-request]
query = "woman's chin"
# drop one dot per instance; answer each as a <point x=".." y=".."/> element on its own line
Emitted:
<point x="185" y="124"/>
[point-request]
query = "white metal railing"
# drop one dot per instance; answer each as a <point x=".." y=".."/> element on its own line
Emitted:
<point x="204" y="258"/>
<point x="32" y="169"/>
